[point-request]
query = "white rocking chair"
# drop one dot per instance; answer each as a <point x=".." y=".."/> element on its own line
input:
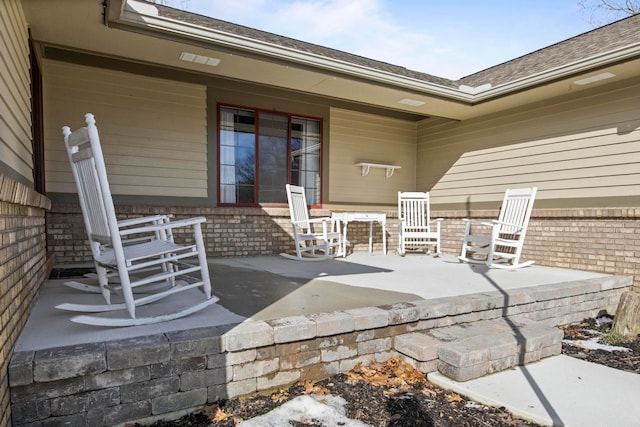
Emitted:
<point x="500" y="246"/>
<point x="416" y="229"/>
<point x="315" y="239"/>
<point x="139" y="254"/>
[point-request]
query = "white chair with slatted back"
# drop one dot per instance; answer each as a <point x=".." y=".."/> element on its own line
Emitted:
<point x="416" y="229"/>
<point x="498" y="243"/>
<point x="129" y="248"/>
<point x="315" y="239"/>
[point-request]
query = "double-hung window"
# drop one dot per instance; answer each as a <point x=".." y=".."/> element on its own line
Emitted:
<point x="259" y="152"/>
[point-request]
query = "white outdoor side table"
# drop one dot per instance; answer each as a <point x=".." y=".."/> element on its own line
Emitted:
<point x="370" y="217"/>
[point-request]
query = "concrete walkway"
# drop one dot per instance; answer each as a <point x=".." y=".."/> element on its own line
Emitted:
<point x="558" y="391"/>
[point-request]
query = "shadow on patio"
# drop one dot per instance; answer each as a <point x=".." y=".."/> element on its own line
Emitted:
<point x="272" y="287"/>
<point x="280" y="321"/>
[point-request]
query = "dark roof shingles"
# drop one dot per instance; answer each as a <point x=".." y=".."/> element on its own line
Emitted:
<point x="601" y="40"/>
<point x="604" y="39"/>
<point x="251" y="33"/>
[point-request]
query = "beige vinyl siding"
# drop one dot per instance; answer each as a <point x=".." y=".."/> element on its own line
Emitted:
<point x="153" y="131"/>
<point x="15" y="105"/>
<point x="358" y="137"/>
<point x="586" y="148"/>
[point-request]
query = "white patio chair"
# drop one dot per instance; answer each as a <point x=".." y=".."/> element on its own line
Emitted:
<point x="499" y="243"/>
<point x="140" y="253"/>
<point x="315" y="239"/>
<point x="416" y="229"/>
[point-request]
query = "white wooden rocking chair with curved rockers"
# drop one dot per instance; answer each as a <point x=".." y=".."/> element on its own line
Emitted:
<point x="500" y="241"/>
<point x="137" y="257"/>
<point x="315" y="239"/>
<point x="416" y="229"/>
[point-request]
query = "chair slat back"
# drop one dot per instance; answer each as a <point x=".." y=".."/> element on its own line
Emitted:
<point x="414" y="208"/>
<point x="90" y="195"/>
<point x="516" y="209"/>
<point x="90" y="174"/>
<point x="298" y="206"/>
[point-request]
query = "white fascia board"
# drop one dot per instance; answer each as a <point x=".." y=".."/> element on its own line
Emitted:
<point x="148" y="16"/>
<point x="143" y="17"/>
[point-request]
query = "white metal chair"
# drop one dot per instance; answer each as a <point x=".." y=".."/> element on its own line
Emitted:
<point x="139" y="254"/>
<point x="315" y="239"/>
<point x="499" y="243"/>
<point x="416" y="229"/>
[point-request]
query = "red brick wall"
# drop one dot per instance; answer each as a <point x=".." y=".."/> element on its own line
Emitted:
<point x="24" y="266"/>
<point x="603" y="240"/>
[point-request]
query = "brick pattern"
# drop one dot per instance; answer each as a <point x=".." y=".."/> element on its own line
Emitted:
<point x="593" y="239"/>
<point x="603" y="240"/>
<point x="24" y="267"/>
<point x="162" y="376"/>
<point x="228" y="231"/>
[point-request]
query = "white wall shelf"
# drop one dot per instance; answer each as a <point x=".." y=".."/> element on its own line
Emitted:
<point x="367" y="166"/>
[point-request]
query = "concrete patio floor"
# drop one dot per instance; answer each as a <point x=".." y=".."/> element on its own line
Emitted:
<point x="271" y="287"/>
<point x="552" y="391"/>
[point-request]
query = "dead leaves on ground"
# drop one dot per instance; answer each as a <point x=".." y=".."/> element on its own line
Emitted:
<point x="280" y="396"/>
<point x="392" y="373"/>
<point x="220" y="415"/>
<point x="310" y="388"/>
<point x="216" y="414"/>
<point x="395" y="374"/>
<point x="454" y="398"/>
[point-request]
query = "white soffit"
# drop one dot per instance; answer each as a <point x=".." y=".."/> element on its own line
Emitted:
<point x="145" y="15"/>
<point x="199" y="59"/>
<point x="411" y="102"/>
<point x="593" y="79"/>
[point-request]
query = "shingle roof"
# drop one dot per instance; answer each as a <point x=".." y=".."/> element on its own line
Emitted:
<point x="219" y="25"/>
<point x="604" y="39"/>
<point x="601" y="40"/>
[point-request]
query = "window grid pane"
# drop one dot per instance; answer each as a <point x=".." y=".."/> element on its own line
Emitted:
<point x="272" y="164"/>
<point x="237" y="156"/>
<point x="255" y="159"/>
<point x="305" y="156"/>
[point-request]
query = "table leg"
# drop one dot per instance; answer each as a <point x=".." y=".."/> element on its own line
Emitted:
<point x="344" y="242"/>
<point x="384" y="238"/>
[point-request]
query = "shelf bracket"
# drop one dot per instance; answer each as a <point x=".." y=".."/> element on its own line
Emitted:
<point x="366" y="167"/>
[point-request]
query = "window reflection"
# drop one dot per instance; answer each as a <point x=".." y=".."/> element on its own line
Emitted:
<point x="260" y="152"/>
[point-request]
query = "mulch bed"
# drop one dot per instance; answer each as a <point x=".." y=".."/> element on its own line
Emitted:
<point x="392" y="394"/>
<point x="590" y="328"/>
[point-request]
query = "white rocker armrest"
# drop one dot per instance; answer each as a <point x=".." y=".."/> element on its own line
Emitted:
<point x="142" y="220"/>
<point x="188" y="222"/>
<point x="328" y="224"/>
<point x="310" y="221"/>
<point x="496" y="222"/>
<point x="437" y="222"/>
<point x="323" y="219"/>
<point x="477" y="221"/>
<point x="493" y="223"/>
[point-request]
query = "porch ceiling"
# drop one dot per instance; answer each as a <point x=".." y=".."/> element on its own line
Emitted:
<point x="133" y="36"/>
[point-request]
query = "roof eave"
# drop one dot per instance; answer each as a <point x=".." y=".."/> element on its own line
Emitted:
<point x="565" y="71"/>
<point x="147" y="17"/>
